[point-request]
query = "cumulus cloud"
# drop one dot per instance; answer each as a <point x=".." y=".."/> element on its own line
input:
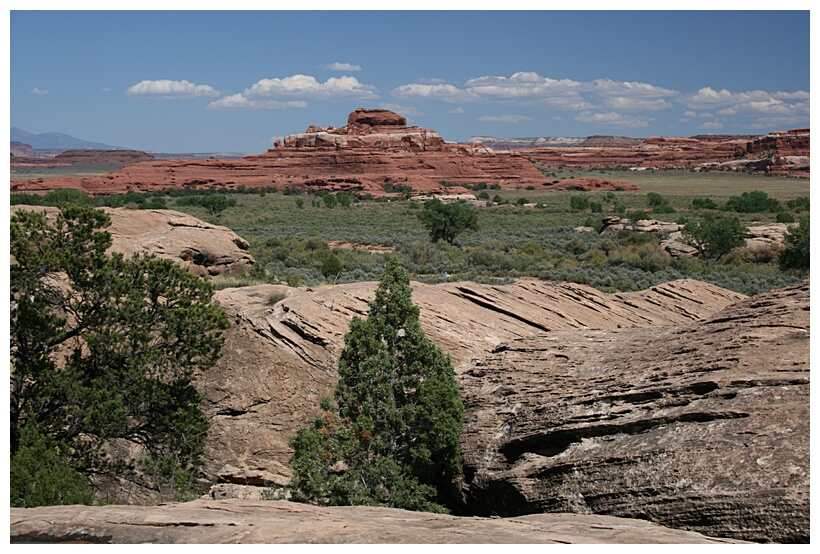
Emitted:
<point x="608" y="87"/>
<point x="106" y="89"/>
<point x="342" y="66"/>
<point x="711" y="126"/>
<point x="529" y="88"/>
<point x="240" y="102"/>
<point x="306" y="87"/>
<point x="40" y="92"/>
<point x="512" y="118"/>
<point x="435" y="91"/>
<point x="294" y="92"/>
<point x="627" y="104"/>
<point x="166" y="88"/>
<point x="708" y="98"/>
<point x="611" y="119"/>
<point x="456" y="111"/>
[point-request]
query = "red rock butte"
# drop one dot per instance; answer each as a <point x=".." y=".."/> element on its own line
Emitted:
<point x="375" y="148"/>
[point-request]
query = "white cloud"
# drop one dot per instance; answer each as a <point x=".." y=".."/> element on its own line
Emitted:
<point x="40" y="92"/>
<point x="439" y="91"/>
<point x="504" y="118"/>
<point x="707" y="98"/>
<point x="627" y="104"/>
<point x="711" y="126"/>
<point x="798" y="95"/>
<point x="342" y="66"/>
<point x="294" y="92"/>
<point x="615" y="103"/>
<point x="306" y="87"/>
<point x="608" y="87"/>
<point x="529" y="88"/>
<point x="611" y="119"/>
<point x="106" y="89"/>
<point x="166" y="88"/>
<point x="240" y="102"/>
<point x="456" y="111"/>
<point x="771" y="106"/>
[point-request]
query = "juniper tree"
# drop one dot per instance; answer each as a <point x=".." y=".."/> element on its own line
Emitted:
<point x="713" y="237"/>
<point x="391" y="435"/>
<point x="104" y="351"/>
<point x="447" y="221"/>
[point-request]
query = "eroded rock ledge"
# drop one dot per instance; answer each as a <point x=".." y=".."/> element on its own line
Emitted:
<point x="701" y="426"/>
<point x="244" y="522"/>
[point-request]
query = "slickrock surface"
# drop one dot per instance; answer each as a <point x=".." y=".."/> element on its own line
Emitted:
<point x="279" y="360"/>
<point x="203" y="248"/>
<point x="701" y="426"/>
<point x="244" y="522"/>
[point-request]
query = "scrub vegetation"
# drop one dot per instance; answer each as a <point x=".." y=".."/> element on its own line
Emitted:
<point x="302" y="239"/>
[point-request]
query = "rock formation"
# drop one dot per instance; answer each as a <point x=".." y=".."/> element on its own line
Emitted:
<point x="701" y="426"/>
<point x="280" y="359"/>
<point x="276" y="522"/>
<point x="784" y="153"/>
<point x="203" y="248"/>
<point x="375" y="148"/>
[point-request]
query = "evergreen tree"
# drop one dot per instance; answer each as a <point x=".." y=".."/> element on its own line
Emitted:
<point x="104" y="352"/>
<point x="392" y="438"/>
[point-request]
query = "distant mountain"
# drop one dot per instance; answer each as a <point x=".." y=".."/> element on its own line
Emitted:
<point x="57" y="141"/>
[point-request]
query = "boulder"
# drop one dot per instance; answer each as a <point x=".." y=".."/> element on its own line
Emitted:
<point x="701" y="426"/>
<point x="205" y="249"/>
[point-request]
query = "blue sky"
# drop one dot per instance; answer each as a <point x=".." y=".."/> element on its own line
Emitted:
<point x="187" y="81"/>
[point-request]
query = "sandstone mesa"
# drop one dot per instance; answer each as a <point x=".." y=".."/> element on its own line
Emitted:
<point x="377" y="147"/>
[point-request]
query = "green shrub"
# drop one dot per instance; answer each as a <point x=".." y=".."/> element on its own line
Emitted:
<point x="703" y="204"/>
<point x="799" y="204"/>
<point x="797" y="252"/>
<point x="66" y="196"/>
<point x="784" y="217"/>
<point x="752" y="202"/>
<point x="578" y="203"/>
<point x="654" y="200"/>
<point x="40" y="473"/>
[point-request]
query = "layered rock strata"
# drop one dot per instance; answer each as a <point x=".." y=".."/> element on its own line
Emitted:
<point x="280" y="359"/>
<point x="782" y="153"/>
<point x="701" y="426"/>
<point x="375" y="148"/>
